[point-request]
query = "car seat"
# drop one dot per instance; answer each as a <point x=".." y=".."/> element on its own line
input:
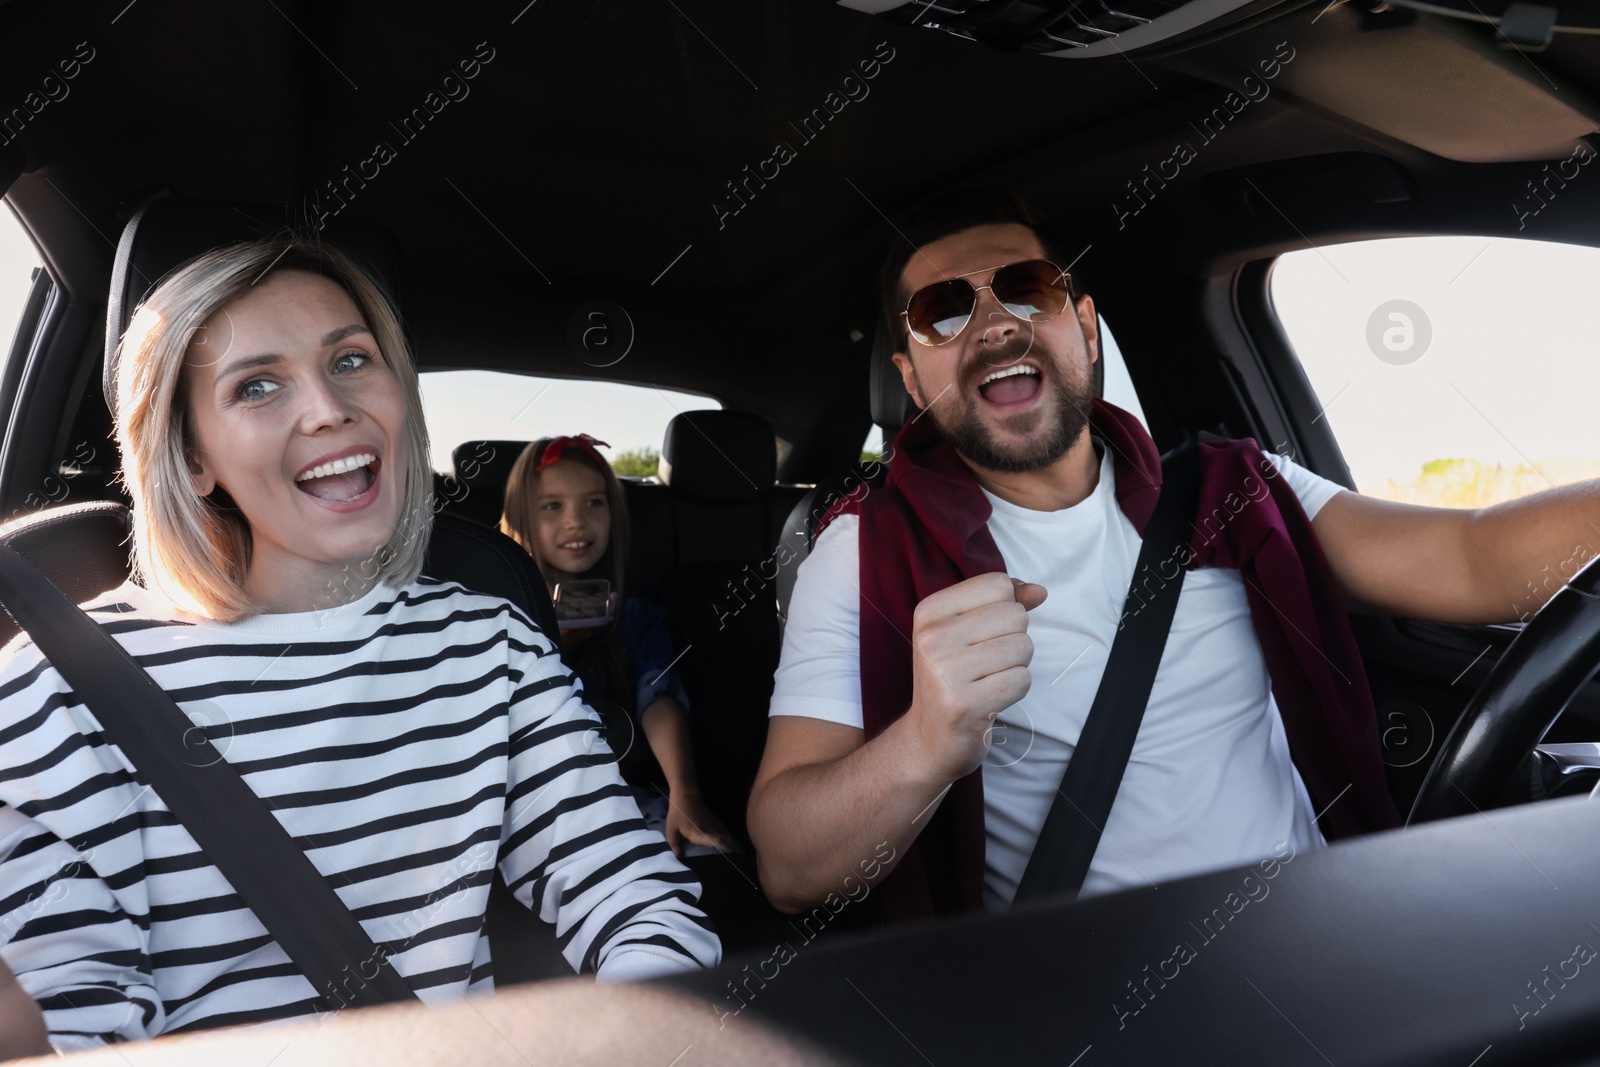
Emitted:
<point x="701" y="542"/>
<point x="477" y="487"/>
<point x="892" y="407"/>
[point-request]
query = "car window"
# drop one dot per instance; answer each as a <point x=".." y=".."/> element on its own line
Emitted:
<point x="1453" y="371"/>
<point x="1118" y="390"/>
<point x="18" y="260"/>
<point x="493" y="405"/>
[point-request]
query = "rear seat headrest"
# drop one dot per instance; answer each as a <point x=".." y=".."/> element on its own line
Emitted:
<point x="169" y="231"/>
<point x="486" y="463"/>
<point x="719" y="455"/>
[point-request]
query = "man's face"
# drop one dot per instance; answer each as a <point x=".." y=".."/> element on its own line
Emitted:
<point x="1021" y="421"/>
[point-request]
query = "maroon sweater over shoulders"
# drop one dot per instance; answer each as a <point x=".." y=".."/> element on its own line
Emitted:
<point x="926" y="528"/>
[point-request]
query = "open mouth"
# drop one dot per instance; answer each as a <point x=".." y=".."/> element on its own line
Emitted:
<point x="576" y="546"/>
<point x="1016" y="384"/>
<point x="340" y="480"/>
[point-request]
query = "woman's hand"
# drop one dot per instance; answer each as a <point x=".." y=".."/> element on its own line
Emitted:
<point x="22" y="1029"/>
<point x="688" y="819"/>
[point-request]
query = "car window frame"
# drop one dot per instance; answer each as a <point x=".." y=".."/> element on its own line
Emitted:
<point x="1275" y="388"/>
<point x="424" y="371"/>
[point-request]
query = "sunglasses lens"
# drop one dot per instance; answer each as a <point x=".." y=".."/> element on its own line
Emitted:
<point x="938" y="312"/>
<point x="1034" y="290"/>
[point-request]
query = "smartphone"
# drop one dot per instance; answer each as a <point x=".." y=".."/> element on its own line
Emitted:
<point x="583" y="604"/>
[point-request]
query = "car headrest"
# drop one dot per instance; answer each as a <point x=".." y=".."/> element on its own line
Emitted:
<point x="719" y="455"/>
<point x="169" y="231"/>
<point x="486" y="463"/>
<point x="892" y="406"/>
<point x="1100" y="363"/>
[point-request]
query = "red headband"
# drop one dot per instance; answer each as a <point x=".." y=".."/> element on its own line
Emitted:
<point x="558" y="445"/>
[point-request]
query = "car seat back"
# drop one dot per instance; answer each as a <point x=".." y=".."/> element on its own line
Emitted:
<point x="477" y="487"/>
<point x="892" y="407"/>
<point x="703" y="546"/>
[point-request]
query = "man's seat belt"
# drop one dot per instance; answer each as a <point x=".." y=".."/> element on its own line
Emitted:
<point x="1072" y="830"/>
<point x="234" y="827"/>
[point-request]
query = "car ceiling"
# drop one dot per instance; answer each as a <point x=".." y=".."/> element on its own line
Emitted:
<point x="587" y="157"/>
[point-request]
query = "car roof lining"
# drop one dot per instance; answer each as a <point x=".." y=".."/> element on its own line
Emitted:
<point x="630" y="124"/>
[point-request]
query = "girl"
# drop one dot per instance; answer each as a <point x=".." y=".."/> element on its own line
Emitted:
<point x="564" y="505"/>
<point x="410" y="734"/>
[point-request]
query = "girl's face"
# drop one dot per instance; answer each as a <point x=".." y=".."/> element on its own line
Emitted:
<point x="573" y="524"/>
<point x="295" y="412"/>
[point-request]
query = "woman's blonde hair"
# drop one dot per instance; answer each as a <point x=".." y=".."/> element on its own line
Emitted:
<point x="193" y="550"/>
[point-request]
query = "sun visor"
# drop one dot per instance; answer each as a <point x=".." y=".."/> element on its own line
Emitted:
<point x="1069" y="29"/>
<point x="1441" y="85"/>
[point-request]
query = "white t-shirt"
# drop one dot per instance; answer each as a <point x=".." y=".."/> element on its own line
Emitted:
<point x="1210" y="783"/>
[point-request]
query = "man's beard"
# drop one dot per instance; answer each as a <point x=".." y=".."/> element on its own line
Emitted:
<point x="1042" y="444"/>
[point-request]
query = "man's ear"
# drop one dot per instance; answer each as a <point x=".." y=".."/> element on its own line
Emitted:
<point x="908" y="377"/>
<point x="1090" y="323"/>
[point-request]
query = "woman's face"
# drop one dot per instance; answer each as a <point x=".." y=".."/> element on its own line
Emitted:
<point x="295" y="412"/>
<point x="573" y="523"/>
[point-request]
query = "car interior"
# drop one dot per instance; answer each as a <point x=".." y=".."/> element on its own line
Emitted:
<point x="728" y="175"/>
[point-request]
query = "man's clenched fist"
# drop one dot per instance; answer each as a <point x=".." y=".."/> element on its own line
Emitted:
<point x="969" y="662"/>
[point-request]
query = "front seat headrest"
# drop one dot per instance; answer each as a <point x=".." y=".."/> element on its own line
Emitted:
<point x="892" y="406"/>
<point x="719" y="455"/>
<point x="170" y="231"/>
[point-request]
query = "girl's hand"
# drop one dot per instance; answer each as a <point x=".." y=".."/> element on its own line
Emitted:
<point x="571" y="640"/>
<point x="689" y="820"/>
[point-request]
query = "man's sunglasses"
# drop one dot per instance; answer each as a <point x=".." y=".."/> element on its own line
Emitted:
<point x="1034" y="290"/>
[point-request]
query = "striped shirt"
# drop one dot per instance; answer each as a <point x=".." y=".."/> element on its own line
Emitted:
<point x="410" y="741"/>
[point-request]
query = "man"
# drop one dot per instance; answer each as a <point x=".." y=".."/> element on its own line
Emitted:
<point x="948" y="632"/>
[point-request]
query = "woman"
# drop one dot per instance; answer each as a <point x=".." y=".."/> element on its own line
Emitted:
<point x="564" y="504"/>
<point x="411" y="735"/>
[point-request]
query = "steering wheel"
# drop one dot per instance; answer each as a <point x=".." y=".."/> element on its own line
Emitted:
<point x="1544" y="668"/>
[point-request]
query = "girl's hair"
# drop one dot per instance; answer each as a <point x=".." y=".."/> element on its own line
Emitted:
<point x="195" y="551"/>
<point x="520" y="517"/>
<point x="600" y="661"/>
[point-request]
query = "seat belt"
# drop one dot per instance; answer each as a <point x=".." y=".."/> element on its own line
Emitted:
<point x="1072" y="830"/>
<point x="234" y="828"/>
